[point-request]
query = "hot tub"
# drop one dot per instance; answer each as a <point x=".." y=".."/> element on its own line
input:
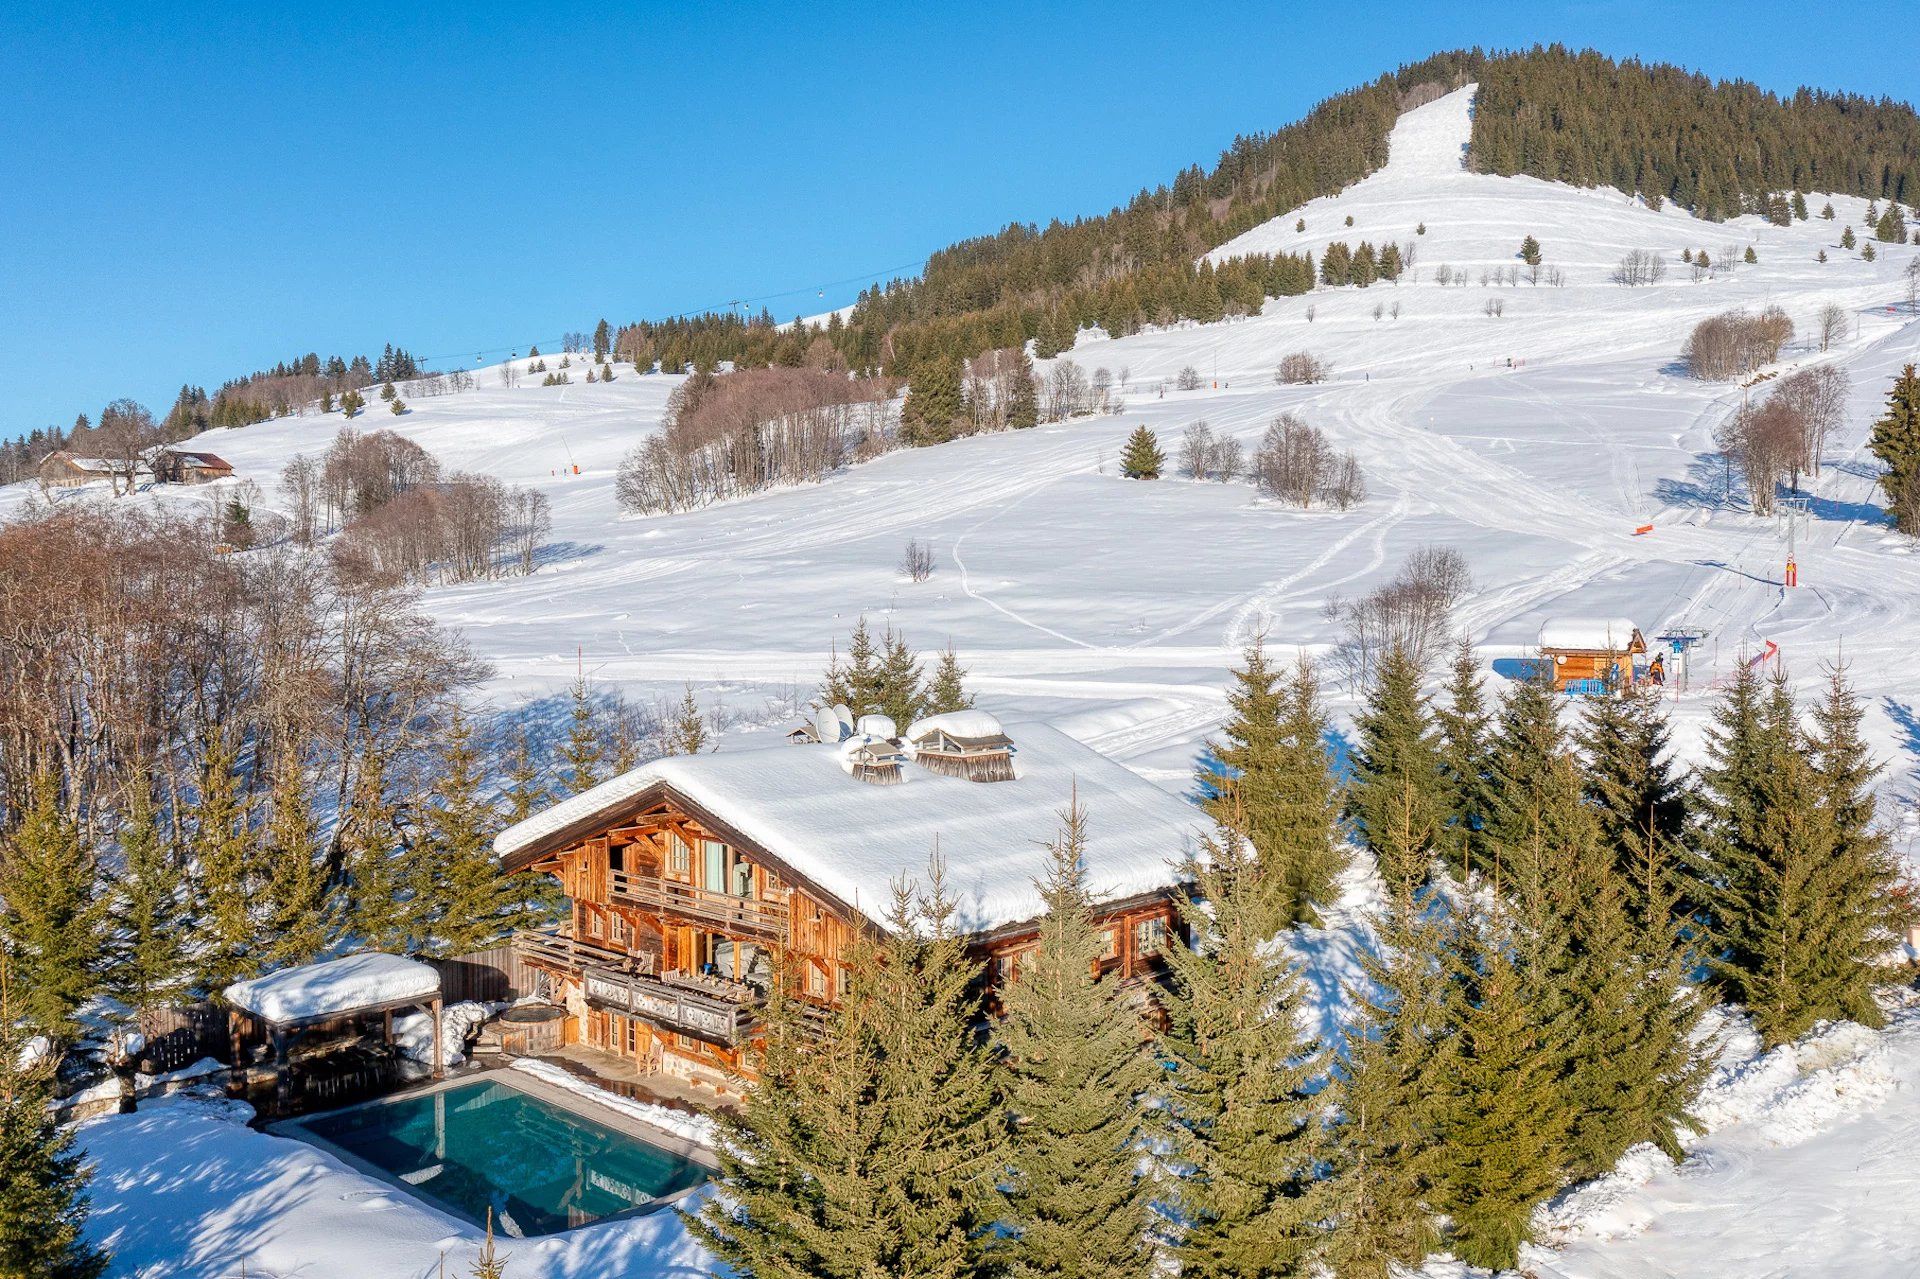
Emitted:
<point x="529" y="1030"/>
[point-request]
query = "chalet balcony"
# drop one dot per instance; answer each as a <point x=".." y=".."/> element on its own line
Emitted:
<point x="572" y="957"/>
<point x="709" y="1008"/>
<point x="734" y="916"/>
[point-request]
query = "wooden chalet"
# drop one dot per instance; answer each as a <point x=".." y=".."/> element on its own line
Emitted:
<point x="1591" y="655"/>
<point x="692" y="881"/>
<point x="65" y="469"/>
<point x="182" y="466"/>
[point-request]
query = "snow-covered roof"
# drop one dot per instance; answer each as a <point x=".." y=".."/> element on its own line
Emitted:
<point x="1593" y="634"/>
<point x="95" y="465"/>
<point x="853" y="840"/>
<point x="969" y="725"/>
<point x="334" y="987"/>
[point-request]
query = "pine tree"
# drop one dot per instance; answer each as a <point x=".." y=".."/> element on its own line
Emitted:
<point x="583" y="752"/>
<point x="223" y="873"/>
<point x="53" y="922"/>
<point x="1867" y="252"/>
<point x="381" y="907"/>
<point x="1750" y="257"/>
<point x="1397" y="797"/>
<point x="947" y="690"/>
<point x="1506" y="1121"/>
<point x="527" y="793"/>
<point x="687" y="733"/>
<point x="1237" y="1089"/>
<point x="1465" y="735"/>
<point x="294" y="916"/>
<point x="151" y="960"/>
<point x="1142" y="459"/>
<point x="1799" y="206"/>
<point x="1826" y="211"/>
<point x="1395" y="1070"/>
<point x="472" y="904"/>
<point x="933" y="400"/>
<point x="1896" y="442"/>
<point x="1070" y="1046"/>
<point x="399" y="406"/>
<point x="1530" y="251"/>
<point x="897" y="691"/>
<point x="1023" y="397"/>
<point x="855" y="683"/>
<point x="1642" y="807"/>
<point x="387" y="392"/>
<point x="1846" y="238"/>
<point x="1892" y="226"/>
<point x="43" y="1181"/>
<point x="881" y="1156"/>
<point x="602" y="341"/>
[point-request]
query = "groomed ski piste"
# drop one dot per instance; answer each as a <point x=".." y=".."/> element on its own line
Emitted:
<point x="1536" y="442"/>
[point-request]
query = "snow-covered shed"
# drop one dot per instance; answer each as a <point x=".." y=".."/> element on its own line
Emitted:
<point x="294" y="1000"/>
<point x="1591" y="654"/>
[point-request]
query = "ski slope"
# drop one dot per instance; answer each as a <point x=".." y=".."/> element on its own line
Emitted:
<point x="1536" y="442"/>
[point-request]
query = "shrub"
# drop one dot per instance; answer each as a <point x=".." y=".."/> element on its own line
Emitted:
<point x="1301" y="368"/>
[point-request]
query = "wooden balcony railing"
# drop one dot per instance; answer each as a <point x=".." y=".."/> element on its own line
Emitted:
<point x="719" y="1011"/>
<point x="572" y="956"/>
<point x="737" y="916"/>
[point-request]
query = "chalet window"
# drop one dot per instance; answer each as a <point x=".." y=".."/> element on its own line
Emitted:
<point x="677" y="854"/>
<point x="842" y="981"/>
<point x="743" y="880"/>
<point x="714" y="854"/>
<point x="816" y="980"/>
<point x="686" y="1043"/>
<point x="1110" y="942"/>
<point x="1149" y="936"/>
<point x="595" y="926"/>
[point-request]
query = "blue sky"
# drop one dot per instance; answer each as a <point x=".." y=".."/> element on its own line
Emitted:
<point x="193" y="193"/>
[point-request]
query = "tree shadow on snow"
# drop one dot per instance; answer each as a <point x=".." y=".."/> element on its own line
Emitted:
<point x="1907" y="720"/>
<point x="1705" y="484"/>
<point x="564" y="552"/>
<point x="1826" y="508"/>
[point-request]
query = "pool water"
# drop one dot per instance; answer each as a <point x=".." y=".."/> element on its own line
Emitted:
<point x="480" y="1146"/>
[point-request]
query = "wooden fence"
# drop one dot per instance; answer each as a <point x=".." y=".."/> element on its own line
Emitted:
<point x="493" y="975"/>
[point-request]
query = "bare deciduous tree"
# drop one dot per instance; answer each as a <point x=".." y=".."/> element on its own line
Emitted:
<point x="1413" y="612"/>
<point x="1294" y="463"/>
<point x="1736" y="343"/>
<point x="1301" y="368"/>
<point x="1833" y="323"/>
<point x="917" y="561"/>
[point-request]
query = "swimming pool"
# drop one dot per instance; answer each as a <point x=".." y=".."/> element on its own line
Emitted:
<point x="488" y="1144"/>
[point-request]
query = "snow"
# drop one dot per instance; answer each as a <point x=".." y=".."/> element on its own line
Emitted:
<point x="183" y="1189"/>
<point x="334" y="986"/>
<point x="1536" y="443"/>
<point x="1598" y="634"/>
<point x="413" y="1033"/>
<point x="698" y="1129"/>
<point x="968" y="723"/>
<point x="854" y="839"/>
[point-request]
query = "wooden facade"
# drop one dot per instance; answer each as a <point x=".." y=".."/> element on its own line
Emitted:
<point x="678" y="925"/>
<point x="1594" y="670"/>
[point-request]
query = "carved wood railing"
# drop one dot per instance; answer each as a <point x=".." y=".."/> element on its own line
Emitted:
<point x="738" y="916"/>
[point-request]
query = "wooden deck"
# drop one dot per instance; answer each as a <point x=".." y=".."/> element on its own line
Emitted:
<point x="735" y="916"/>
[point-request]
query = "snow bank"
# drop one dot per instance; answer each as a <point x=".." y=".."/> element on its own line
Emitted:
<point x="334" y="986"/>
<point x="699" y="1129"/>
<point x="413" y="1033"/>
<point x="968" y="723"/>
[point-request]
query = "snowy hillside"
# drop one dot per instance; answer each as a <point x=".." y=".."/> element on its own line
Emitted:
<point x="1536" y="441"/>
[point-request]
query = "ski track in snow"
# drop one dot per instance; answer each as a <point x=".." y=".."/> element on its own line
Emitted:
<point x="1536" y="443"/>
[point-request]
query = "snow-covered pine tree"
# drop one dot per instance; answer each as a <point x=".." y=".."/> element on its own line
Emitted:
<point x="583" y="751"/>
<point x="947" y="690"/>
<point x="1075" y="1070"/>
<point x="880" y="1156"/>
<point x="1465" y="731"/>
<point x="1141" y="458"/>
<point x="43" y="1181"/>
<point x="53" y="920"/>
<point x="150" y="958"/>
<point x="1397" y="795"/>
<point x="1238" y="1104"/>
